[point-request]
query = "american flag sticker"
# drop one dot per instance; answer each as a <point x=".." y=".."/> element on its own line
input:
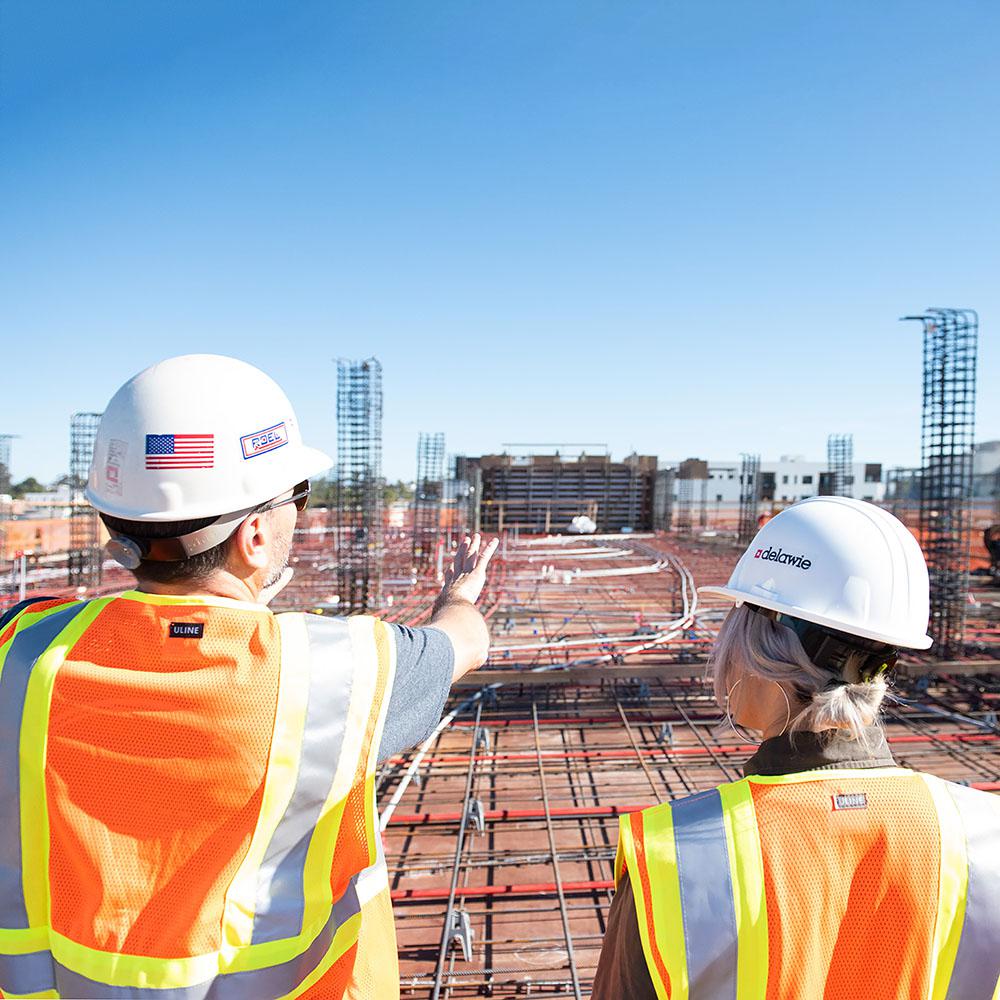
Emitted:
<point x="180" y="451"/>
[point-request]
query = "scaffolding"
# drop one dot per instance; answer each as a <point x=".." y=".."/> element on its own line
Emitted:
<point x="692" y="477"/>
<point x="947" y="438"/>
<point x="84" y="559"/>
<point x="902" y="494"/>
<point x="749" y="497"/>
<point x="467" y="486"/>
<point x="358" y="511"/>
<point x="428" y="497"/>
<point x="5" y="483"/>
<point x="663" y="499"/>
<point x="840" y="463"/>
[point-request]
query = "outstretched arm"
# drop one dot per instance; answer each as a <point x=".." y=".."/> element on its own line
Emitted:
<point x="455" y="611"/>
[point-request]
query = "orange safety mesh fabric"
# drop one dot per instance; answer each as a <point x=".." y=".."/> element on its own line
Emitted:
<point x="332" y="984"/>
<point x="639" y="840"/>
<point x="157" y="752"/>
<point x="851" y="893"/>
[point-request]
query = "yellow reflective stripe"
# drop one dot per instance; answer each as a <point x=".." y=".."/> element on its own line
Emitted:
<point x="23" y="620"/>
<point x="664" y="902"/>
<point x="621" y="865"/>
<point x="746" y="867"/>
<point x="828" y="775"/>
<point x="138" y="971"/>
<point x="23" y="941"/>
<point x="33" y="747"/>
<point x="385" y="647"/>
<point x="319" y="857"/>
<point x="345" y="937"/>
<point x="630" y="863"/>
<point x="279" y="784"/>
<point x="44" y="995"/>
<point x="206" y="599"/>
<point x="953" y="885"/>
<point x="141" y="971"/>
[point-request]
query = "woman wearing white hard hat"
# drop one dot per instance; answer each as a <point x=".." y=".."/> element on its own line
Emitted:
<point x="827" y="871"/>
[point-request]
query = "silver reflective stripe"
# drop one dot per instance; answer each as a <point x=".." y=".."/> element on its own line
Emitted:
<point x="706" y="896"/>
<point x="26" y="647"/>
<point x="31" y="973"/>
<point x="280" y="896"/>
<point x="977" y="963"/>
<point x="254" y="984"/>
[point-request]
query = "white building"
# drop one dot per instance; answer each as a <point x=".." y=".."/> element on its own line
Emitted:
<point x="788" y="479"/>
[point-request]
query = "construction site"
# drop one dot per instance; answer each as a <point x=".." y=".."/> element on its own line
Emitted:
<point x="500" y="830"/>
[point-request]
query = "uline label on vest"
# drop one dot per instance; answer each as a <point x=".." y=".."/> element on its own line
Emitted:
<point x="850" y="800"/>
<point x="187" y="630"/>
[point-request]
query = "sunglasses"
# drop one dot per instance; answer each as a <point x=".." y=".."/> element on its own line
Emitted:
<point x="299" y="497"/>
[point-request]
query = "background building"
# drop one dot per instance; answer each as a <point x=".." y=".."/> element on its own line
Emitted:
<point x="543" y="493"/>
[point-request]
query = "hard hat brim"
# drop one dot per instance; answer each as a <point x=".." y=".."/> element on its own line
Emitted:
<point x="739" y="596"/>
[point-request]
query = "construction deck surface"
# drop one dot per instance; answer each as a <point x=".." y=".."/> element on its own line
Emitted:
<point x="501" y="833"/>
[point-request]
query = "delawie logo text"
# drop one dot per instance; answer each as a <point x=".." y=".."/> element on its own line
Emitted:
<point x="780" y="556"/>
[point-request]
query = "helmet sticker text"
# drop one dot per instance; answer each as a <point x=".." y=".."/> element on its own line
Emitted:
<point x="263" y="441"/>
<point x="780" y="556"/>
<point x="113" y="466"/>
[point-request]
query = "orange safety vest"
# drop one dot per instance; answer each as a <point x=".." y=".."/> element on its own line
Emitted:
<point x="187" y="802"/>
<point x="880" y="883"/>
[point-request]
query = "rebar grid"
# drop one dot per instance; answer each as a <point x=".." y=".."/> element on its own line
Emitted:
<point x="947" y="439"/>
<point x="84" y="559"/>
<point x="542" y="775"/>
<point x="749" y="497"/>
<point x="427" y="498"/>
<point x="358" y="511"/>
<point x="5" y="482"/>
<point x="839" y="463"/>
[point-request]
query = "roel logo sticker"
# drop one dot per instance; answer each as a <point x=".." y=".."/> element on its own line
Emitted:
<point x="261" y="442"/>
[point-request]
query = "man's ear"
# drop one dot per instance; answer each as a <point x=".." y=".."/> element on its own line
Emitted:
<point x="249" y="547"/>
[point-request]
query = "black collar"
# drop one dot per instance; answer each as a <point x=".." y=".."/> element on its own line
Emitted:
<point x="830" y="749"/>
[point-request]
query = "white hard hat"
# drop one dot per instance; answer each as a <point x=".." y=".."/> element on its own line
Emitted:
<point x="839" y="563"/>
<point x="197" y="436"/>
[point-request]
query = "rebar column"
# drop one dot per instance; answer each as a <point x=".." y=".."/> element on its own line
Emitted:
<point x="663" y="500"/>
<point x="5" y="484"/>
<point x="902" y="494"/>
<point x="947" y="438"/>
<point x="427" y="497"/>
<point x="358" y="531"/>
<point x="749" y="496"/>
<point x="840" y="462"/>
<point x="687" y="472"/>
<point x="84" y="557"/>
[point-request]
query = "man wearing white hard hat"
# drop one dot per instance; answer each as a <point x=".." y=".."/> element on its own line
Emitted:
<point x="187" y="780"/>
<point x="827" y="871"/>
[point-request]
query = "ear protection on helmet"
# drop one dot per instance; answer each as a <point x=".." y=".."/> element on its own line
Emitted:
<point x="830" y="650"/>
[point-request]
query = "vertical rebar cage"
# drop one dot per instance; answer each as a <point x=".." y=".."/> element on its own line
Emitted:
<point x="749" y="497"/>
<point x="5" y="483"/>
<point x="947" y="439"/>
<point x="359" y="484"/>
<point x="84" y="558"/>
<point x="688" y="472"/>
<point x="5" y="503"/>
<point x="840" y="462"/>
<point x="427" y="497"/>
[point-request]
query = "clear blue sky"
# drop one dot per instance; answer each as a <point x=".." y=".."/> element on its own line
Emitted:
<point x="684" y="228"/>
